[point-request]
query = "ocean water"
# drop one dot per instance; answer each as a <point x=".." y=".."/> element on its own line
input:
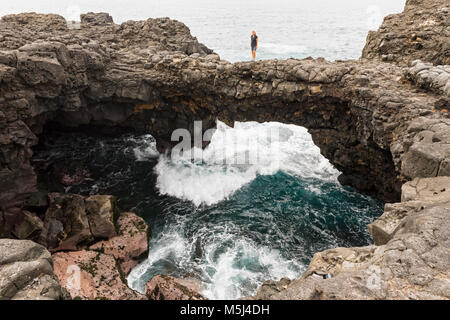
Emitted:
<point x="286" y="28"/>
<point x="226" y="223"/>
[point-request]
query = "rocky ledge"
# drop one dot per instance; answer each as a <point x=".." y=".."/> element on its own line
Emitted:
<point x="382" y="120"/>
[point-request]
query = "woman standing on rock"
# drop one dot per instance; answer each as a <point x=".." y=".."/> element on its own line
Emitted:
<point x="254" y="44"/>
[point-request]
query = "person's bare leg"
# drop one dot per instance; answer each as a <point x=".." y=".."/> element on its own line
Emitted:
<point x="254" y="55"/>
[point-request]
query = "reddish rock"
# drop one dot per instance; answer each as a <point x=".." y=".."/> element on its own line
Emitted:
<point x="130" y="245"/>
<point x="164" y="287"/>
<point x="92" y="275"/>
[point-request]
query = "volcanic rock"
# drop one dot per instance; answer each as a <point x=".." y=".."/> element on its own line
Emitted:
<point x="162" y="287"/>
<point x="26" y="272"/>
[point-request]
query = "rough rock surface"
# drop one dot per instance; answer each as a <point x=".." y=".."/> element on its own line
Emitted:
<point x="92" y="275"/>
<point x="73" y="222"/>
<point x="131" y="243"/>
<point x="26" y="272"/>
<point x="96" y="19"/>
<point x="162" y="287"/>
<point x="378" y="121"/>
<point x="417" y="195"/>
<point x="29" y="228"/>
<point x="410" y="261"/>
<point x="99" y="271"/>
<point x="101" y="212"/>
<point x="430" y="77"/>
<point x="420" y="32"/>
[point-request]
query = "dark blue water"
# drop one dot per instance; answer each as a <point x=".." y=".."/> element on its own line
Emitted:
<point x="228" y="226"/>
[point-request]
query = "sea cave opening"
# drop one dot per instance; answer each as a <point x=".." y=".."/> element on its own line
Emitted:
<point x="259" y="204"/>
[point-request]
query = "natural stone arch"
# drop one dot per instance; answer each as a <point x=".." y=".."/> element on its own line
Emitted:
<point x="153" y="76"/>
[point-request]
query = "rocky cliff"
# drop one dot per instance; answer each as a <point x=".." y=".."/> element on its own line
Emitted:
<point x="381" y="120"/>
<point x="421" y="31"/>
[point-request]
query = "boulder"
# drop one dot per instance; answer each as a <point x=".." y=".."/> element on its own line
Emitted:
<point x="131" y="243"/>
<point x="73" y="222"/>
<point x="101" y="212"/>
<point x="433" y="190"/>
<point x="26" y="272"/>
<point x="90" y="275"/>
<point x="417" y="195"/>
<point x="96" y="19"/>
<point x="162" y="287"/>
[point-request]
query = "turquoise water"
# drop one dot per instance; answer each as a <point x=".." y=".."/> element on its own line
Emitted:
<point x="229" y="226"/>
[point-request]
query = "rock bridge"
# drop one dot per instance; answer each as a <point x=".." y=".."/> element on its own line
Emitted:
<point x="370" y="118"/>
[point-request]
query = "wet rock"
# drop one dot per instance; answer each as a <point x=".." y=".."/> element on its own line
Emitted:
<point x="130" y="245"/>
<point x="163" y="287"/>
<point x="93" y="276"/>
<point x="26" y="272"/>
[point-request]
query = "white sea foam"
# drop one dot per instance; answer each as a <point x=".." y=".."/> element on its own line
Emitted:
<point x="242" y="267"/>
<point x="236" y="156"/>
<point x="226" y="271"/>
<point x="167" y="245"/>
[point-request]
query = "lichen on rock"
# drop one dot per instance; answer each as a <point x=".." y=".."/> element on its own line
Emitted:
<point x="382" y="120"/>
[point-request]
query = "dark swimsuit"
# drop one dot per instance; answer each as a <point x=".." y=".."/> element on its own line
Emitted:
<point x="253" y="40"/>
